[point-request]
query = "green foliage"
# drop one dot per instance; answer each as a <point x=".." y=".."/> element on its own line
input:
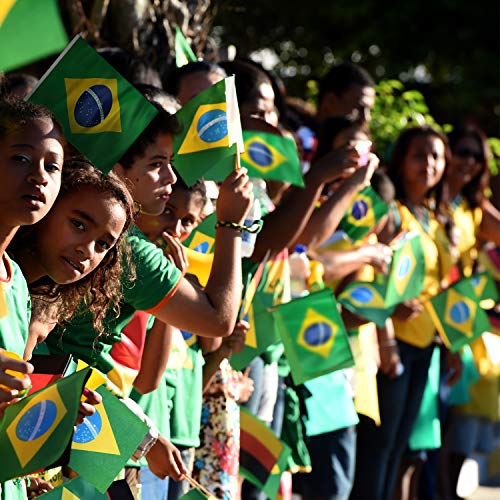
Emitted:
<point x="427" y="45"/>
<point x="395" y="110"/>
<point x="494" y="144"/>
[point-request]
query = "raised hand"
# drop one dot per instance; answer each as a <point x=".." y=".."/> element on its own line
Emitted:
<point x="10" y="385"/>
<point x="235" y="197"/>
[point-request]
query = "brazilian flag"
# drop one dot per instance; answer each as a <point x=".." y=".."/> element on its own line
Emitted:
<point x="365" y="210"/>
<point x="104" y="442"/>
<point x="406" y="277"/>
<point x="211" y="134"/>
<point x="35" y="431"/>
<point x="29" y="30"/>
<point x="457" y="315"/>
<point x="485" y="288"/>
<point x="313" y="335"/>
<point x="75" y="489"/>
<point x="202" y="239"/>
<point x="183" y="52"/>
<point x="270" y="156"/>
<point x="366" y="299"/>
<point x="102" y="114"/>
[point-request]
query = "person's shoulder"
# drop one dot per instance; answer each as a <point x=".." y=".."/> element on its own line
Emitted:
<point x="17" y="278"/>
<point x="142" y="248"/>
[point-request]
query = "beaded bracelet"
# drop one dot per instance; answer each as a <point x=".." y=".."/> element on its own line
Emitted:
<point x="255" y="227"/>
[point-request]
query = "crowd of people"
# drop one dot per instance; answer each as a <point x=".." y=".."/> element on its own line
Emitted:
<point x="93" y="266"/>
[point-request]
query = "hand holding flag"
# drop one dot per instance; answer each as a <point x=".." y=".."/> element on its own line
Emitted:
<point x="211" y="134"/>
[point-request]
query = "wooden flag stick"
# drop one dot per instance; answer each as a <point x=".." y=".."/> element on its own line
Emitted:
<point x="237" y="163"/>
<point x="196" y="484"/>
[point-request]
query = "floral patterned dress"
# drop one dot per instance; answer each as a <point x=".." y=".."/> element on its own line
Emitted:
<point x="216" y="461"/>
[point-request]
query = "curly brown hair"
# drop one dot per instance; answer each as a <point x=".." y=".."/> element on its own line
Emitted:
<point x="100" y="291"/>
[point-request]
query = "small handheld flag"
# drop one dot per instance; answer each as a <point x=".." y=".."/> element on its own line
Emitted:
<point x="485" y="289"/>
<point x="367" y="299"/>
<point x="406" y="277"/>
<point x="457" y="315"/>
<point x="35" y="431"/>
<point x="104" y="442"/>
<point x="261" y="453"/>
<point x="183" y="52"/>
<point x="101" y="113"/>
<point x="211" y="134"/>
<point x="202" y="239"/>
<point x="365" y="210"/>
<point x="270" y="156"/>
<point x="313" y="335"/>
<point x="29" y="31"/>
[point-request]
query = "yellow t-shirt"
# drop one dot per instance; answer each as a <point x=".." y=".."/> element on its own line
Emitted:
<point x="420" y="330"/>
<point x="467" y="221"/>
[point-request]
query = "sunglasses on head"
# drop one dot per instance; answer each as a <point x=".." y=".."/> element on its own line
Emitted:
<point x="467" y="153"/>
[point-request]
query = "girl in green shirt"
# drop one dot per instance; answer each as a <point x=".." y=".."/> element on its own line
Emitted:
<point x="31" y="158"/>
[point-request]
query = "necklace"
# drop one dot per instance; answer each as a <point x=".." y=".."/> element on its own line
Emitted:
<point x="458" y="199"/>
<point x="421" y="213"/>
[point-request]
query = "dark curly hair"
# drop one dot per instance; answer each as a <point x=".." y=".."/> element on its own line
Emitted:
<point x="162" y="123"/>
<point x="100" y="291"/>
<point x="16" y="113"/>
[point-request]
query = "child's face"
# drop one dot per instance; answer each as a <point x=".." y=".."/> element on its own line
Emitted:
<point x="77" y="234"/>
<point x="31" y="159"/>
<point x="150" y="177"/>
<point x="182" y="214"/>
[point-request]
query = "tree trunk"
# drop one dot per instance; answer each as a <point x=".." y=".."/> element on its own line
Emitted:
<point x="146" y="27"/>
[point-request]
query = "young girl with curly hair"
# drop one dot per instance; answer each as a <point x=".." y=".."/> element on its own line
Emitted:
<point x="76" y="255"/>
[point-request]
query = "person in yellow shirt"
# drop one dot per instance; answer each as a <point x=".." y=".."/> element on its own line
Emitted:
<point x="417" y="169"/>
<point x="475" y="219"/>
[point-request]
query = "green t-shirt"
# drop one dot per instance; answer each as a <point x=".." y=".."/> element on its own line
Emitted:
<point x="13" y="337"/>
<point x="184" y="380"/>
<point x="14" y="326"/>
<point x="330" y="406"/>
<point x="156" y="279"/>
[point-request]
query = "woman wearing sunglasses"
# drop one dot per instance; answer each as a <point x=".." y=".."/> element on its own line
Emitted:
<point x="468" y="177"/>
<point x="475" y="219"/>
